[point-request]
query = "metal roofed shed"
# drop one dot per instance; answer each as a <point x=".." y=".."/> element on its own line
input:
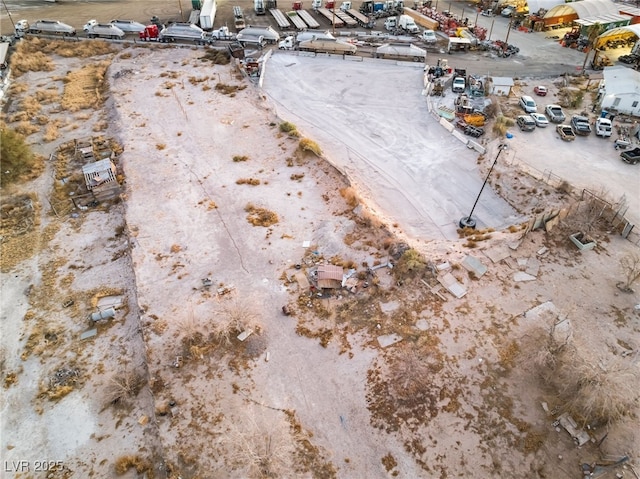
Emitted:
<point x="401" y="51"/>
<point x="99" y="174"/>
<point x="621" y="90"/>
<point x="582" y="9"/>
<point x="330" y="276"/>
<point x="501" y="85"/>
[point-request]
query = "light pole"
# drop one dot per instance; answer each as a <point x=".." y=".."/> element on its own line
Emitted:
<point x="181" y="13"/>
<point x="468" y="221"/>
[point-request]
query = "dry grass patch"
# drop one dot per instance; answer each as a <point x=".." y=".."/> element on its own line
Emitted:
<point x="142" y="466"/>
<point x="311" y="146"/>
<point x="248" y="181"/>
<point x="50" y="95"/>
<point x="260" y="216"/>
<point x="26" y="128"/>
<point x="350" y="195"/>
<point x="85" y="88"/>
<point x="217" y="57"/>
<point x="51" y="132"/>
<point x="230" y="90"/>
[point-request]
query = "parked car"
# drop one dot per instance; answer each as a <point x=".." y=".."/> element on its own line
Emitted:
<point x="528" y="104"/>
<point x="565" y="132"/>
<point x="631" y="156"/>
<point x="508" y="11"/>
<point x="540" y="119"/>
<point x="526" y="123"/>
<point x="540" y="90"/>
<point x="580" y="125"/>
<point x="128" y="26"/>
<point x="555" y="113"/>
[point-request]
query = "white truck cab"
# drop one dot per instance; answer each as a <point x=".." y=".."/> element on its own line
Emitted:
<point x="603" y="127"/>
<point x="391" y="23"/>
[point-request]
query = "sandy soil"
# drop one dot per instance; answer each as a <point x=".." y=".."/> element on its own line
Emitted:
<point x="307" y="395"/>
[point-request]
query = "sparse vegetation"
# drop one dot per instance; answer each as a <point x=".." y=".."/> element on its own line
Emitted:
<point x="248" y="181"/>
<point x="501" y="125"/>
<point x="142" y="466"/>
<point x="260" y="216"/>
<point x="309" y="145"/>
<point x="630" y="265"/>
<point x="123" y="386"/>
<point x="18" y="160"/>
<point x="239" y="158"/>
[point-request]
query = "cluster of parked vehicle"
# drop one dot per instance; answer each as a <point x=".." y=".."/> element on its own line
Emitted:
<point x="579" y="125"/>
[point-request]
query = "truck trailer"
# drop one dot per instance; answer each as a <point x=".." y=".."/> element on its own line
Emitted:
<point x="208" y="14"/>
<point x="327" y="45"/>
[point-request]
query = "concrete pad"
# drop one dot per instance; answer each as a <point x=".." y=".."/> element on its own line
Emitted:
<point x="471" y="263"/>
<point x="521" y="276"/>
<point x="546" y="309"/>
<point x="497" y="254"/>
<point x="301" y="279"/>
<point x="522" y="262"/>
<point x="533" y="266"/>
<point x="244" y="335"/>
<point x="389" y="307"/>
<point x="452" y="285"/>
<point x="89" y="334"/>
<point x="422" y="324"/>
<point x="388" y="340"/>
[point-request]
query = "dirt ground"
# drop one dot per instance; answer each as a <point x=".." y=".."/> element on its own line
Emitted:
<point x="221" y="220"/>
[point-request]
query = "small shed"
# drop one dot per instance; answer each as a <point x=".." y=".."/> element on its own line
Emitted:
<point x="620" y="90"/>
<point x="501" y="86"/>
<point x="330" y="276"/>
<point x="100" y="173"/>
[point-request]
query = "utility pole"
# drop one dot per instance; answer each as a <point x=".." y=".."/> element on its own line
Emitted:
<point x="181" y="14"/>
<point x="468" y="221"/>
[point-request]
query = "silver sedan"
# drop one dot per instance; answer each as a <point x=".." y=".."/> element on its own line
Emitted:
<point x="540" y="119"/>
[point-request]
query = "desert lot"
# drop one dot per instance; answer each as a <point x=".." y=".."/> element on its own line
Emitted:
<point x="231" y="202"/>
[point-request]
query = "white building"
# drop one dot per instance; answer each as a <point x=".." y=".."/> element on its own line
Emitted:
<point x="620" y="90"/>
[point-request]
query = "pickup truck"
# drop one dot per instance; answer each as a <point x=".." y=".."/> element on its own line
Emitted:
<point x="631" y="156"/>
<point x="566" y="132"/>
<point x="555" y="113"/>
<point x="581" y="125"/>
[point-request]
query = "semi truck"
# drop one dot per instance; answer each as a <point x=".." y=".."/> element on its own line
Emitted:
<point x="53" y="27"/>
<point x="408" y="24"/>
<point x="327" y="45"/>
<point x="257" y="41"/>
<point x="401" y="51"/>
<point x="269" y="34"/>
<point x="93" y="29"/>
<point x="208" y="14"/>
<point x="175" y="31"/>
<point x="238" y="18"/>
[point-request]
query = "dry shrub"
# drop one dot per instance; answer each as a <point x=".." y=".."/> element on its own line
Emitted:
<point x="123" y="386"/>
<point x="26" y="128"/>
<point x="229" y="89"/>
<point x="261" y="445"/>
<point x="260" y="216"/>
<point x="85" y="88"/>
<point x="124" y="463"/>
<point x="501" y="125"/>
<point x="50" y="95"/>
<point x="235" y="318"/>
<point x="30" y="106"/>
<point x="309" y="145"/>
<point x="411" y="263"/>
<point x="570" y="97"/>
<point x="595" y="387"/>
<point x="161" y="146"/>
<point x="630" y="265"/>
<point x="125" y="55"/>
<point x="175" y="248"/>
<point x="36" y="61"/>
<point x="350" y="196"/>
<point x="51" y="132"/>
<point x="287" y="127"/>
<point x="248" y="181"/>
<point x="239" y="158"/>
<point x="17" y="88"/>
<point x="217" y="57"/>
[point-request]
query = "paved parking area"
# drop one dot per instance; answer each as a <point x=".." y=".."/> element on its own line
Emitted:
<point x="372" y="121"/>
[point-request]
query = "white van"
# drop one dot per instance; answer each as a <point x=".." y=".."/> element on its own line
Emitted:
<point x="528" y="104"/>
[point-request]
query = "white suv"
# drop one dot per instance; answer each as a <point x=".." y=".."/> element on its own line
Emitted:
<point x="528" y="104"/>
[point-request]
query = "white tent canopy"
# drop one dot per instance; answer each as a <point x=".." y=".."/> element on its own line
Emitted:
<point x="536" y="5"/>
<point x="584" y="9"/>
<point x="635" y="29"/>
